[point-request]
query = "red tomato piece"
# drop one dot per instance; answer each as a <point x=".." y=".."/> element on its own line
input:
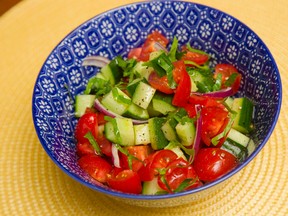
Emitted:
<point x="140" y="152"/>
<point x="135" y="53"/>
<point x="160" y="83"/>
<point x="84" y="149"/>
<point x="194" y="178"/>
<point x="213" y="120"/>
<point x="176" y="173"/>
<point x="126" y="181"/>
<point x="87" y="122"/>
<point x="196" y="57"/>
<point x="212" y="163"/>
<point x="183" y="89"/>
<point x="97" y="167"/>
<point x="100" y="118"/>
<point x="148" y="45"/>
<point x="146" y="173"/>
<point x="227" y="70"/>
<point x="162" y="158"/>
<point x="154" y="162"/>
<point x="105" y="145"/>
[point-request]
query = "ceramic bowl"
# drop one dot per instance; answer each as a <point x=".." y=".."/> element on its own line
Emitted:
<point x="114" y="33"/>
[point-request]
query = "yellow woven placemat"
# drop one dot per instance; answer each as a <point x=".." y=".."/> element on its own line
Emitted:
<point x="30" y="184"/>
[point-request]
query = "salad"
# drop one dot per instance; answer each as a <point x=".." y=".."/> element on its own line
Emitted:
<point x="161" y="121"/>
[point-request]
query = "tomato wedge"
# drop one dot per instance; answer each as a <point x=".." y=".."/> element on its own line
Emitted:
<point x="160" y="83"/>
<point x="126" y="181"/>
<point x="212" y="163"/>
<point x="226" y="70"/>
<point x="214" y="121"/>
<point x="84" y="149"/>
<point x="139" y="152"/>
<point x="87" y="122"/>
<point x="183" y="89"/>
<point x="97" y="167"/>
<point x="154" y="162"/>
<point x="135" y="53"/>
<point x="196" y="57"/>
<point x="148" y="45"/>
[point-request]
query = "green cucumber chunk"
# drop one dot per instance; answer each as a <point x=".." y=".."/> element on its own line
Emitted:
<point x="152" y="187"/>
<point x="82" y="102"/>
<point x="244" y="109"/>
<point x="121" y="133"/>
<point x="115" y="105"/>
<point x="142" y="135"/>
<point x="136" y="112"/>
<point x="143" y="95"/>
<point x="157" y="137"/>
<point x="186" y="132"/>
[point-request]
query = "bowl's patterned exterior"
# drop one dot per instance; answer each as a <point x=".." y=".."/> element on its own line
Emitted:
<point x="117" y="31"/>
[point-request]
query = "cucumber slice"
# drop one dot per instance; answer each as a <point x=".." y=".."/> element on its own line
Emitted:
<point x="82" y="102"/>
<point x="142" y="71"/>
<point x="243" y="120"/>
<point x="143" y="95"/>
<point x="163" y="103"/>
<point x="125" y="132"/>
<point x="142" y="135"/>
<point x="186" y="132"/>
<point x="151" y="187"/>
<point x="136" y="112"/>
<point x="113" y="104"/>
<point x="177" y="150"/>
<point x="157" y="137"/>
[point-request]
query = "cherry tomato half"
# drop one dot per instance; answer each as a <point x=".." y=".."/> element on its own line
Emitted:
<point x="126" y="181"/>
<point x="160" y="83"/>
<point x="154" y="162"/>
<point x="87" y="122"/>
<point x="97" y="167"/>
<point x="148" y="45"/>
<point x="183" y="89"/>
<point x="140" y="152"/>
<point x="196" y="57"/>
<point x="214" y="121"/>
<point x="212" y="163"/>
<point x="226" y="70"/>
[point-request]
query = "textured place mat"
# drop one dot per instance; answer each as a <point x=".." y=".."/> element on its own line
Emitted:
<point x="30" y="184"/>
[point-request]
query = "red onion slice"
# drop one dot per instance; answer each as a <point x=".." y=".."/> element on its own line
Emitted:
<point x="159" y="46"/>
<point x="97" y="61"/>
<point x="197" y="138"/>
<point x="115" y="156"/>
<point x="221" y="93"/>
<point x="101" y="108"/>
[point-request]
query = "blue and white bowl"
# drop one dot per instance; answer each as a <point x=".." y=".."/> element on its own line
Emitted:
<point x="114" y="33"/>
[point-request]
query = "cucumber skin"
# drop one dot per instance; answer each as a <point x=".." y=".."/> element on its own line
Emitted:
<point x="157" y="137"/>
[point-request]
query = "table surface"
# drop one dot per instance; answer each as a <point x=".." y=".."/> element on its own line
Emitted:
<point x="30" y="184"/>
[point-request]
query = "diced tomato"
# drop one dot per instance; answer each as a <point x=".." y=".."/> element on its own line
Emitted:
<point x="176" y="173"/>
<point x="105" y="145"/>
<point x="87" y="122"/>
<point x="148" y="46"/>
<point x="126" y="181"/>
<point x="212" y="163"/>
<point x="97" y="167"/>
<point x="183" y="89"/>
<point x="214" y="119"/>
<point x="135" y="53"/>
<point x="196" y="57"/>
<point x="100" y="118"/>
<point x="140" y="152"/>
<point x="160" y="83"/>
<point x="226" y="70"/>
<point x="154" y="162"/>
<point x="84" y="149"/>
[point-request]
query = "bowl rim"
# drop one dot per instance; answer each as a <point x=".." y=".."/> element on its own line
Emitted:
<point x="106" y="190"/>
